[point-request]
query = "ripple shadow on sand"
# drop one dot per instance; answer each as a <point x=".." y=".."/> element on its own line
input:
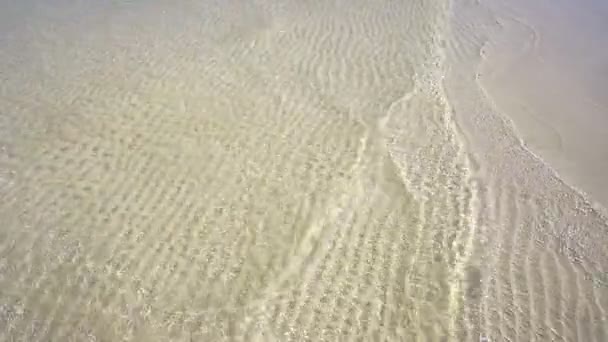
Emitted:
<point x="264" y="171"/>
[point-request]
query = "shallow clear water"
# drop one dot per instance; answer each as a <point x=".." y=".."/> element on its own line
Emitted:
<point x="275" y="170"/>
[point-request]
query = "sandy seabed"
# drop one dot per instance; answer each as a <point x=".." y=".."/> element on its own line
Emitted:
<point x="276" y="170"/>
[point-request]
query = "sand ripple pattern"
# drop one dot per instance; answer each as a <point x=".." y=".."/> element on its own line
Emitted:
<point x="261" y="170"/>
<point x="542" y="252"/>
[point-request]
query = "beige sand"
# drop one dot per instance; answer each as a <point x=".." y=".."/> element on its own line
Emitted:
<point x="546" y="66"/>
<point x="221" y="170"/>
<point x="276" y="170"/>
<point x="543" y="245"/>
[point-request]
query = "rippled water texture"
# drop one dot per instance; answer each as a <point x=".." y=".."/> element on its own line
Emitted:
<point x="275" y="170"/>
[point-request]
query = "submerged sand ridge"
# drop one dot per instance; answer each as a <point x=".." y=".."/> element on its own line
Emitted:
<point x="269" y="171"/>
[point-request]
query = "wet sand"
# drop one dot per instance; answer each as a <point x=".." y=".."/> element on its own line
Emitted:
<point x="546" y="65"/>
<point x="542" y="242"/>
<point x="297" y="170"/>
